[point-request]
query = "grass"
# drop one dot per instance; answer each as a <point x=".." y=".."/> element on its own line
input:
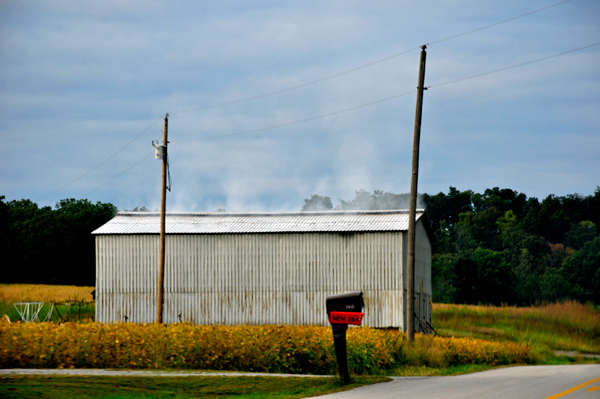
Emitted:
<point x="567" y="326"/>
<point x="427" y="371"/>
<point x="63" y="387"/>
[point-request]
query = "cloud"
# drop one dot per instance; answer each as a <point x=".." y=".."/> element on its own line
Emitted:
<point x="80" y="80"/>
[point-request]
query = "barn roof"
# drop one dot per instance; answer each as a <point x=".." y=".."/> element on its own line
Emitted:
<point x="254" y="223"/>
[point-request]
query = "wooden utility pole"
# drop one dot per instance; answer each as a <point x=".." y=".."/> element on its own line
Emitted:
<point x="163" y="210"/>
<point x="410" y="291"/>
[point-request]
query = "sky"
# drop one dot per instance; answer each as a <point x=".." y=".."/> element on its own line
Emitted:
<point x="85" y="86"/>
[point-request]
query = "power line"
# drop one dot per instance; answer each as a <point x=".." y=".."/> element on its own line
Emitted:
<point x="101" y="163"/>
<point x="515" y="66"/>
<point x="499" y="23"/>
<point x="388" y="98"/>
<point x="369" y="64"/>
<point x="120" y="174"/>
<point x="299" y="86"/>
<point x="311" y="83"/>
<point x="356" y="107"/>
<point x="299" y="121"/>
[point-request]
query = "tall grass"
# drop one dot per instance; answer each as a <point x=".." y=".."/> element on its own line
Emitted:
<point x="558" y="326"/>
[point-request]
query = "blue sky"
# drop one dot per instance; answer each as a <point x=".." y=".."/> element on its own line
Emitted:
<point x="79" y="80"/>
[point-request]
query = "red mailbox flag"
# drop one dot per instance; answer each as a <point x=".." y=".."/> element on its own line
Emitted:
<point x="354" y="318"/>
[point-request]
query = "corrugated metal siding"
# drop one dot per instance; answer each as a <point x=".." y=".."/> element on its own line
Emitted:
<point x="423" y="290"/>
<point x="234" y="223"/>
<point x="250" y="278"/>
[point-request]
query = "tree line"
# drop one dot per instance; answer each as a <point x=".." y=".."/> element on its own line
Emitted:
<point x="500" y="246"/>
<point x="45" y="245"/>
<point x="494" y="247"/>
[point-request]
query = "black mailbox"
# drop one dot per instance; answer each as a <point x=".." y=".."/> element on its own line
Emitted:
<point x="344" y="309"/>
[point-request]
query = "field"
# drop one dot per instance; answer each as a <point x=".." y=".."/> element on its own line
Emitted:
<point x="470" y="338"/>
<point x="68" y="302"/>
<point x="567" y="326"/>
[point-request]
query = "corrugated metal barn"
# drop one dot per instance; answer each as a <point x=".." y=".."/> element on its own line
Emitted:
<point x="261" y="268"/>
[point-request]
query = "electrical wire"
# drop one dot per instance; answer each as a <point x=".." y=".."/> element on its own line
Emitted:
<point x="169" y="182"/>
<point x="371" y="63"/>
<point x="311" y="83"/>
<point x="514" y="66"/>
<point x="386" y="99"/>
<point x="120" y="174"/>
<point x="299" y="121"/>
<point x="299" y="86"/>
<point x="499" y="23"/>
<point x="101" y="163"/>
<point x="358" y="107"/>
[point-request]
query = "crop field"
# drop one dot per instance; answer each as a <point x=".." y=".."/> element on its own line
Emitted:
<point x="280" y="349"/>
<point x="44" y="293"/>
<point x="469" y="338"/>
<point x="68" y="302"/>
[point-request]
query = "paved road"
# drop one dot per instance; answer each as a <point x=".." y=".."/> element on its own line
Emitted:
<point x="528" y="382"/>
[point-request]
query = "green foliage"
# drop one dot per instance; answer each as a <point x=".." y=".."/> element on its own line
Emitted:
<point x="579" y="234"/>
<point x="378" y="200"/>
<point x="192" y="386"/>
<point x="582" y="271"/>
<point x="443" y="276"/>
<point x="502" y="247"/>
<point x="45" y="245"/>
<point x="535" y="265"/>
<point x="317" y="203"/>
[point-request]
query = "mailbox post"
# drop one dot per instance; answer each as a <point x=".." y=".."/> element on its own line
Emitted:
<point x="344" y="309"/>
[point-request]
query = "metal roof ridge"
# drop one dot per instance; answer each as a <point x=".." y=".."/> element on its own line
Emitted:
<point x="296" y="213"/>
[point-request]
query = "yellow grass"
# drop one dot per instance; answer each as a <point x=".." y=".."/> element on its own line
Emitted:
<point x="566" y="325"/>
<point x="13" y="293"/>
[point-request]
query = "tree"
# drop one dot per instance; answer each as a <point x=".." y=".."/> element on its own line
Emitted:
<point x="500" y="246"/>
<point x="479" y="229"/>
<point x="54" y="245"/>
<point x="378" y="200"/>
<point x="553" y="286"/>
<point x="482" y="277"/>
<point x="579" y="234"/>
<point x="443" y="277"/>
<point x="317" y="203"/>
<point x="582" y="271"/>
<point x="446" y="209"/>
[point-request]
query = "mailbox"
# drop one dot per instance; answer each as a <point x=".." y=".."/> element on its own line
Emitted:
<point x="344" y="309"/>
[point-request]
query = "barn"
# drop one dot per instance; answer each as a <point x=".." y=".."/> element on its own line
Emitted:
<point x="261" y="268"/>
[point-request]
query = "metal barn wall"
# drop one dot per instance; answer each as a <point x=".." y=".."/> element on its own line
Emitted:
<point x="423" y="291"/>
<point x="255" y="278"/>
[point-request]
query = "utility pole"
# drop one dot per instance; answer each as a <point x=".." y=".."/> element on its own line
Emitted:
<point x="410" y="291"/>
<point x="163" y="209"/>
